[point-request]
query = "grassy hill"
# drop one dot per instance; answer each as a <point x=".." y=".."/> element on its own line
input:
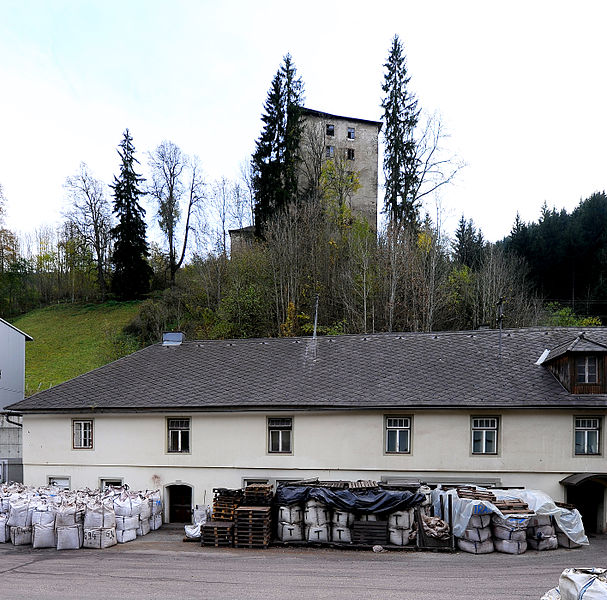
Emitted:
<point x="71" y="339"/>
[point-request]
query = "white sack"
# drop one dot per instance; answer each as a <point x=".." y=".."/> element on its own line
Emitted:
<point x="199" y="515"/>
<point x="5" y="530"/>
<point x="341" y="534"/>
<point x="69" y="537"/>
<point x="123" y="523"/>
<point x="342" y="518"/>
<point x="399" y="536"/>
<point x="125" y="535"/>
<point x="155" y="521"/>
<point x="505" y="533"/>
<point x="21" y="536"/>
<point x="19" y="514"/>
<point x="99" y="516"/>
<point x="473" y="534"/>
<point x="367" y="518"/>
<point x="552" y="594"/>
<point x="290" y="514"/>
<point x="92" y="538"/>
<point x="66" y="516"/>
<point x="316" y="514"/>
<point x="539" y="521"/>
<point x="479" y="521"/>
<point x="319" y="533"/>
<point x="144" y="527"/>
<point x="192" y="532"/>
<point x="401" y="519"/>
<point x="290" y="532"/>
<point x="43" y="517"/>
<point x="511" y="521"/>
<point x="510" y="546"/>
<point x="108" y="537"/>
<point x="540" y="532"/>
<point x="475" y="547"/>
<point x="155" y="502"/>
<point x="44" y="536"/>
<point x="547" y="543"/>
<point x="589" y="584"/>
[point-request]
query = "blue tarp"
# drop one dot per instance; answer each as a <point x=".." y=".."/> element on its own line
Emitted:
<point x="361" y="501"/>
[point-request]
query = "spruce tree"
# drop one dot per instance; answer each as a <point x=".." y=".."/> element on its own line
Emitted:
<point x="401" y="163"/>
<point x="274" y="162"/>
<point x="132" y="273"/>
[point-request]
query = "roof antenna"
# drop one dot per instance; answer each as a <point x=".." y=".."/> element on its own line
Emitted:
<point x="500" y="321"/>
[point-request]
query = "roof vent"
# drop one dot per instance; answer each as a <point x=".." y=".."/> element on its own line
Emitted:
<point x="173" y="338"/>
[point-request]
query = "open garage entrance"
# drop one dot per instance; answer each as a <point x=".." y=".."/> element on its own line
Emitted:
<point x="179" y="500"/>
<point x="586" y="491"/>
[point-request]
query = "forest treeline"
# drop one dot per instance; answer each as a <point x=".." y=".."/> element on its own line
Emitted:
<point x="310" y="255"/>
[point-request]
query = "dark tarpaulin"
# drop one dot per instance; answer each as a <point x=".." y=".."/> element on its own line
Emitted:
<point x="362" y="501"/>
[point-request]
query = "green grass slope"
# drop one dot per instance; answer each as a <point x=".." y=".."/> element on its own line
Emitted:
<point x="71" y="339"/>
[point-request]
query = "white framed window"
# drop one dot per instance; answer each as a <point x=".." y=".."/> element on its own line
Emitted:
<point x="60" y="481"/>
<point x="398" y="435"/>
<point x="105" y="482"/>
<point x="178" y="433"/>
<point x="484" y="435"/>
<point x="330" y="151"/>
<point x="280" y="435"/>
<point x="82" y="434"/>
<point x="585" y="369"/>
<point x="330" y="129"/>
<point x="351" y="133"/>
<point x="587" y="435"/>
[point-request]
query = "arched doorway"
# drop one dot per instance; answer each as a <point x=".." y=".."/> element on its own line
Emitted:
<point x="179" y="502"/>
<point x="586" y="491"/>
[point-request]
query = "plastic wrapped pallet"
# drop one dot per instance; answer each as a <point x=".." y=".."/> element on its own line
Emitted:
<point x="290" y="514"/>
<point x="340" y="534"/>
<point x="144" y="527"/>
<point x="316" y="514"/>
<point x="99" y="537"/>
<point x="99" y="515"/>
<point x="317" y="533"/>
<point x="155" y="522"/>
<point x="546" y="543"/>
<point x="66" y="516"/>
<point x="398" y="536"/>
<point x="21" y="536"/>
<point x="70" y="537"/>
<point x="123" y="523"/>
<point x="125" y="535"/>
<point x="476" y="547"/>
<point x="290" y="532"/>
<point x="510" y="546"/>
<point x="589" y="584"/>
<point x="5" y="530"/>
<point x="44" y="536"/>
<point x="473" y="534"/>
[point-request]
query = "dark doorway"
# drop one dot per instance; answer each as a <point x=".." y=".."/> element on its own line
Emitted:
<point x="180" y="503"/>
<point x="588" y="497"/>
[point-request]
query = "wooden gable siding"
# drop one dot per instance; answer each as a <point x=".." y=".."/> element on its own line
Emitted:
<point x="563" y="368"/>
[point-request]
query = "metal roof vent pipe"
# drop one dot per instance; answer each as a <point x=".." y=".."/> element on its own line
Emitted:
<point x="173" y="338"/>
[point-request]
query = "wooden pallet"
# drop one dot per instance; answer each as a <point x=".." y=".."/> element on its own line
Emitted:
<point x="217" y="533"/>
<point x="370" y="532"/>
<point x="361" y="484"/>
<point x="513" y="507"/>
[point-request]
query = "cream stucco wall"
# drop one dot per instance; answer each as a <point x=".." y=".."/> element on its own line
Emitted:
<point x="535" y="449"/>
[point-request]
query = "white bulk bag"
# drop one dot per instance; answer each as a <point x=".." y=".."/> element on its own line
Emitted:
<point x="547" y="543"/>
<point x="65" y="516"/>
<point x="98" y="516"/>
<point x="479" y="521"/>
<point x="539" y="521"/>
<point x="540" y="532"/>
<point x="155" y="522"/>
<point x="399" y="536"/>
<point x="144" y="527"/>
<point x="123" y="523"/>
<point x="5" y="530"/>
<point x="342" y="518"/>
<point x="199" y="515"/>
<point x="589" y="584"/>
<point x="552" y="594"/>
<point x="473" y="534"/>
<point x="290" y="514"/>
<point x="108" y="537"/>
<point x="43" y="517"/>
<point x="340" y="534"/>
<point x="44" y="536"/>
<point x="21" y="536"/>
<point x="290" y="532"/>
<point x="510" y="546"/>
<point x="145" y="511"/>
<point x="511" y="521"/>
<point x="401" y="519"/>
<point x="69" y="537"/>
<point x="125" y="535"/>
<point x="123" y="506"/>
<point x="505" y="533"/>
<point x="18" y="515"/>
<point x="4" y="504"/>
<point x="367" y="518"/>
<point x="155" y="502"/>
<point x="316" y="514"/>
<point x="318" y="533"/>
<point x="192" y="532"/>
<point x="476" y="547"/>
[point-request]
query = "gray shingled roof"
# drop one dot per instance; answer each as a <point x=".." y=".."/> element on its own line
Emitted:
<point x="447" y="369"/>
<point x="581" y="343"/>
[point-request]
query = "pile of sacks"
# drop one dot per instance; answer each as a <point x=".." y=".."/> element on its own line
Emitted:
<point x="50" y="517"/>
<point x="318" y="523"/>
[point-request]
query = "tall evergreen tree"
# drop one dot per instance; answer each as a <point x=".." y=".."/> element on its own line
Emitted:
<point x="468" y="245"/>
<point x="401" y="163"/>
<point x="274" y="162"/>
<point x="131" y="269"/>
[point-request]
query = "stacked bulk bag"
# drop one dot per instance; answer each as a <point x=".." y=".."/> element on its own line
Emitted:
<point x="341" y="521"/>
<point x="145" y="512"/>
<point x="400" y="524"/>
<point x="5" y="531"/>
<point x="563" y="539"/>
<point x="69" y="527"/>
<point x="316" y="518"/>
<point x="20" y="523"/>
<point x="43" y="527"/>
<point x="476" y="538"/>
<point x="155" y="503"/>
<point x="541" y="534"/>
<point x="99" y="525"/>
<point x="510" y="533"/>
<point x="290" y="523"/>
<point x="127" y="511"/>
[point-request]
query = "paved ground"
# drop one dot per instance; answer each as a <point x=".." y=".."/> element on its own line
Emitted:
<point x="161" y="566"/>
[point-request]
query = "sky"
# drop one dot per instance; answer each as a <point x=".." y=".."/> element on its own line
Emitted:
<point x="519" y="86"/>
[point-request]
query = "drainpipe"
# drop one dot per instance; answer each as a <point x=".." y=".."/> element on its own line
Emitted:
<point x="8" y="414"/>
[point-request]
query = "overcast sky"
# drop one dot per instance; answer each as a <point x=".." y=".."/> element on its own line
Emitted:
<point x="520" y="86"/>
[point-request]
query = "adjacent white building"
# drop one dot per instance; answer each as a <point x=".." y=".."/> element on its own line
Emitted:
<point x="12" y="386"/>
<point x="440" y="407"/>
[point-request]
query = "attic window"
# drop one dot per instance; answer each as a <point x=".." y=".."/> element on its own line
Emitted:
<point x="585" y="369"/>
<point x="330" y="129"/>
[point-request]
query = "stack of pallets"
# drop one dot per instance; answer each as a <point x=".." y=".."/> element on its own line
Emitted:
<point x="258" y="494"/>
<point x="363" y="484"/>
<point x="474" y="494"/>
<point x="513" y="507"/>
<point x="370" y="533"/>
<point x="225" y="503"/>
<point x="217" y="533"/>
<point x="253" y="527"/>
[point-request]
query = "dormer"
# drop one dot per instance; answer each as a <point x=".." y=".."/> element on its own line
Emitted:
<point x="578" y="364"/>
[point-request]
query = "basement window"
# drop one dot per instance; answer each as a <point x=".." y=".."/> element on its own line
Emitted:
<point x="585" y="369"/>
<point x="82" y="434"/>
<point x="178" y="435"/>
<point x="280" y="435"/>
<point x="587" y="435"/>
<point x="484" y="435"/>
